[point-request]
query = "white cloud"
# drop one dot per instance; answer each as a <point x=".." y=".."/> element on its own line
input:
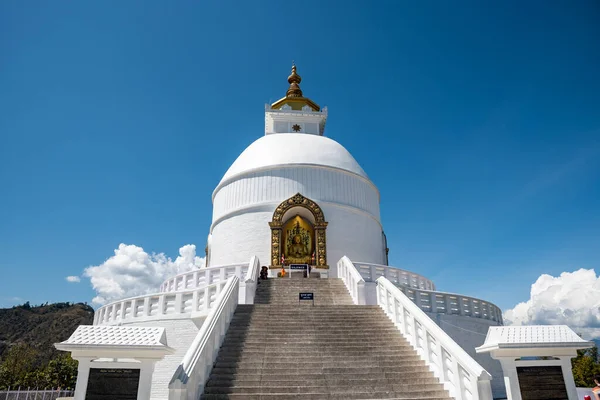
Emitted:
<point x="133" y="272"/>
<point x="573" y="299"/>
<point x="73" y="279"/>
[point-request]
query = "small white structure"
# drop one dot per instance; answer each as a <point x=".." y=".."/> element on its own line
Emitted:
<point x="108" y="353"/>
<point x="535" y="359"/>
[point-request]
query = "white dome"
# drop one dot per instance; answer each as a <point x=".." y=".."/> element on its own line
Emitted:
<point x="293" y="149"/>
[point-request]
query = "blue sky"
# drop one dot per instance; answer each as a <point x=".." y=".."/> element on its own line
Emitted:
<point x="479" y="123"/>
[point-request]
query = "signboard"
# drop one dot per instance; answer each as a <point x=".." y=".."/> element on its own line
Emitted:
<point x="306" y="296"/>
<point x="113" y="384"/>
<point x="542" y="383"/>
<point x="298" y="266"/>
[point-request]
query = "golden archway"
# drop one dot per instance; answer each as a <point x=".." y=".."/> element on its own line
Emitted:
<point x="280" y="235"/>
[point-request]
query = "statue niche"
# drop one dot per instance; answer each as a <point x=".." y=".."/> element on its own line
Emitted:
<point x="298" y="240"/>
<point x="301" y="243"/>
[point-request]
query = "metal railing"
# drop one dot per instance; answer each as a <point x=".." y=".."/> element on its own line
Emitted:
<point x="35" y="394"/>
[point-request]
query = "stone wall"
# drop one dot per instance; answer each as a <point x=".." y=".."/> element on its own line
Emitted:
<point x="180" y="335"/>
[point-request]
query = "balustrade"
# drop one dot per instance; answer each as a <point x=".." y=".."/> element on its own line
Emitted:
<point x="194" y="370"/>
<point x="461" y="375"/>
<point x="399" y="277"/>
<point x="204" y="277"/>
<point x="417" y="288"/>
<point x="172" y="305"/>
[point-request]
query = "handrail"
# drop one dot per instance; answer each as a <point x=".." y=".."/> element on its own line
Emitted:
<point x="249" y="282"/>
<point x="193" y="372"/>
<point x="167" y="305"/>
<point x="400" y="277"/>
<point x="461" y="375"/>
<point x="352" y="279"/>
<point x="203" y="276"/>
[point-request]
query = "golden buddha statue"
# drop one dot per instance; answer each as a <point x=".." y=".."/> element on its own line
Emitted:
<point x="297" y="249"/>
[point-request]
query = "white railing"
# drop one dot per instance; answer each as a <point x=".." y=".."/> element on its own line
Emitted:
<point x="399" y="277"/>
<point x="168" y="305"/>
<point x="352" y="279"/>
<point x="191" y="375"/>
<point x="249" y="281"/>
<point x="454" y="304"/>
<point x="204" y="277"/>
<point x="414" y="286"/>
<point x="461" y="375"/>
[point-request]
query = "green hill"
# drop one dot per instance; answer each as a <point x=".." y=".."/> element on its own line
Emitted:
<point x="41" y="326"/>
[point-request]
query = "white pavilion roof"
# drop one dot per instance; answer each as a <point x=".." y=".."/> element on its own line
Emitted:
<point x="117" y="336"/>
<point x="529" y="336"/>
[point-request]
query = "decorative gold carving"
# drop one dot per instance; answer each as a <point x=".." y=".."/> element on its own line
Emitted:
<point x="281" y="245"/>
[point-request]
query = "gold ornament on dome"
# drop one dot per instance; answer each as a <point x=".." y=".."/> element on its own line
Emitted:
<point x="294" y="97"/>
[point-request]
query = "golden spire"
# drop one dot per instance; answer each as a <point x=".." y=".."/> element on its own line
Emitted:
<point x="294" y="80"/>
<point x="294" y="97"/>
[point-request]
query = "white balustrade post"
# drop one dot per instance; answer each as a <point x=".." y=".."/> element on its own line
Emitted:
<point x="361" y="295"/>
<point x="206" y="298"/>
<point x="195" y="277"/>
<point x="461" y="306"/>
<point x="178" y="303"/>
<point x="133" y="308"/>
<point x="433" y="302"/>
<point x="146" y="306"/>
<point x="113" y="312"/>
<point x="456" y="378"/>
<point x="418" y="301"/>
<point x="448" y="302"/>
<point x="195" y="301"/>
<point x="440" y="360"/>
<point x="161" y="304"/>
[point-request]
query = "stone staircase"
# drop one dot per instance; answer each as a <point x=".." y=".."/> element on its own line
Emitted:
<point x="280" y="349"/>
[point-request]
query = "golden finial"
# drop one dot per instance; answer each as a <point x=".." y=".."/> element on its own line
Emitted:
<point x="294" y="80"/>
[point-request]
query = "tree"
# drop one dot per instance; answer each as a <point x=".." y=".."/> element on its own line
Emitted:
<point x="18" y="365"/>
<point x="62" y="371"/>
<point x="585" y="366"/>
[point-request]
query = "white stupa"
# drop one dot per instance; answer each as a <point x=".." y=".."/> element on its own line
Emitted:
<point x="288" y="175"/>
<point x="294" y="197"/>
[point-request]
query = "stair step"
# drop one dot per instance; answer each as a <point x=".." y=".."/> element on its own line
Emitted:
<point x="282" y="378"/>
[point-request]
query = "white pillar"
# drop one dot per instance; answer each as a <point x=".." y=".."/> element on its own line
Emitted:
<point x="565" y="364"/>
<point x="511" y="380"/>
<point x="83" y="374"/>
<point x="145" y="386"/>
